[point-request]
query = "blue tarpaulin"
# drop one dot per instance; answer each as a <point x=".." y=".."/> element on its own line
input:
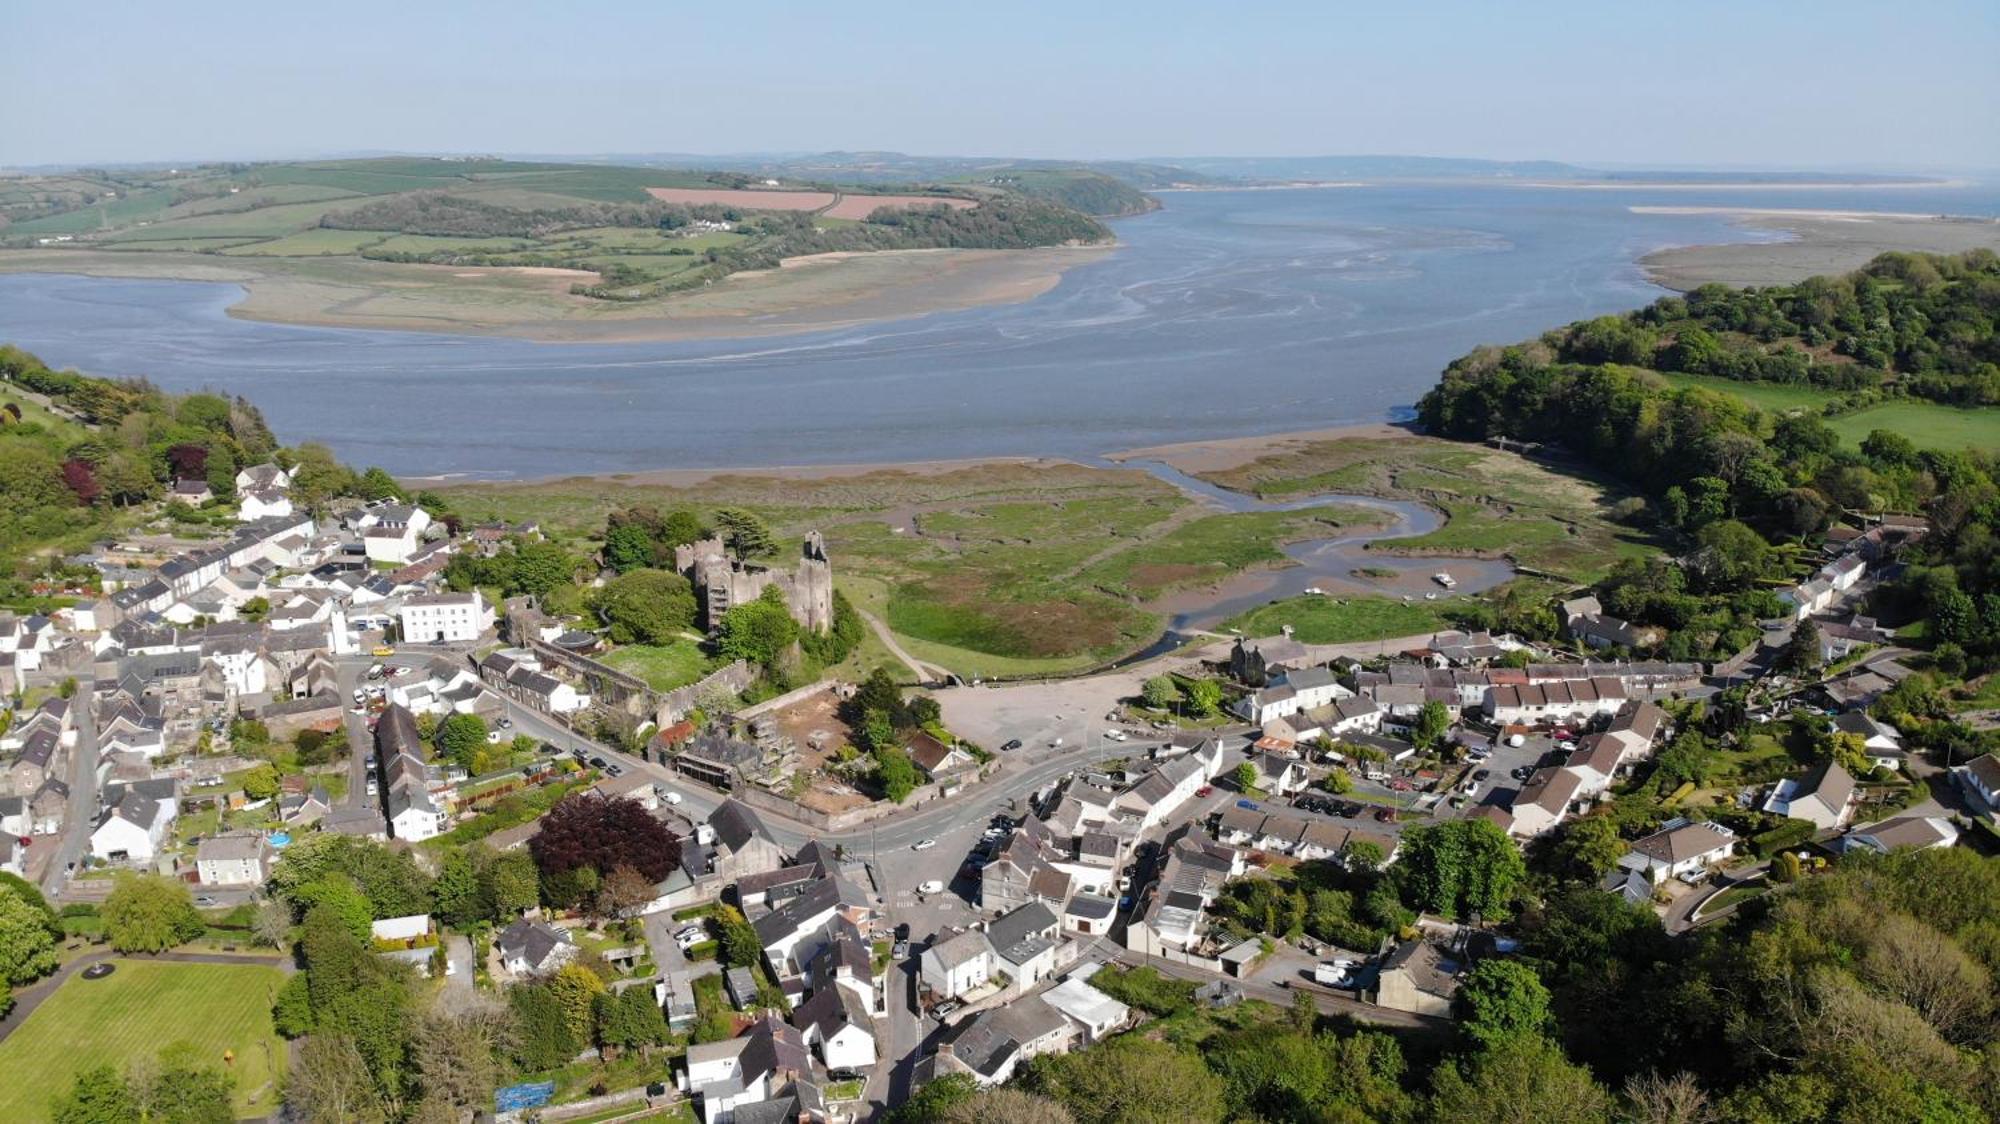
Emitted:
<point x="530" y="1094"/>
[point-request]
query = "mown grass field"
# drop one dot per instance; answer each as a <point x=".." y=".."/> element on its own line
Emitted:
<point x="131" y="1015"/>
<point x="1930" y="425"/>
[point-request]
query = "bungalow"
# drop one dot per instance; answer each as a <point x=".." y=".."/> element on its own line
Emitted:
<point x="1981" y="777"/>
<point x="991" y="1045"/>
<point x="1881" y="742"/>
<point x="532" y="948"/>
<point x="1823" y="796"/>
<point x="1418" y="978"/>
<point x="1912" y="833"/>
<point x="937" y="761"/>
<point x="1679" y="848"/>
<point x="1095" y="1014"/>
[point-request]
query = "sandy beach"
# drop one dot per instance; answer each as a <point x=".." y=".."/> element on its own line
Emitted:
<point x="1222" y="453"/>
<point x="806" y="294"/>
<point x="1818" y="242"/>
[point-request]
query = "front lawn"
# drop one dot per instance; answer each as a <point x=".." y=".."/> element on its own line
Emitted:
<point x="129" y="1016"/>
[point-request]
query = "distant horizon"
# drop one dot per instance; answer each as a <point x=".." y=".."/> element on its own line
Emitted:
<point x="1180" y="160"/>
<point x="1708" y="84"/>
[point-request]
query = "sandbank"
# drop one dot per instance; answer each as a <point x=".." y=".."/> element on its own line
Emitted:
<point x="1817" y="242"/>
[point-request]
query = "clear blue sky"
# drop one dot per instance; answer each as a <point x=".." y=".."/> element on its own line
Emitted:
<point x="1766" y="83"/>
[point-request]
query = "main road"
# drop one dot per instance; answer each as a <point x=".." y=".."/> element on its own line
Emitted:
<point x="81" y="816"/>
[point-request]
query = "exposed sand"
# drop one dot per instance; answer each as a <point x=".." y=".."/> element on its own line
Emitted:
<point x="1821" y="242"/>
<point x="1222" y="453"/>
<point x="808" y="294"/>
<point x="689" y="477"/>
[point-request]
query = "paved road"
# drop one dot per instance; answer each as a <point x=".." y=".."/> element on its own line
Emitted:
<point x="82" y="814"/>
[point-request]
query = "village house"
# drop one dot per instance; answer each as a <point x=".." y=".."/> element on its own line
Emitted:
<point x="1903" y="833"/>
<point x="760" y="1065"/>
<point x="838" y="1025"/>
<point x="392" y="532"/>
<point x="1880" y="742"/>
<point x="1417" y="977"/>
<point x="1678" y="849"/>
<point x="956" y="965"/>
<point x="1095" y="1015"/>
<point x="1305" y="688"/>
<point x="233" y="859"/>
<point x="1823" y="796"/>
<point x="134" y="822"/>
<point x="533" y="948"/>
<point x="991" y="1044"/>
<point x="445" y="618"/>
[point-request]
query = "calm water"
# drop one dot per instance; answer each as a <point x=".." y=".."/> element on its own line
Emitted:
<point x="1227" y="313"/>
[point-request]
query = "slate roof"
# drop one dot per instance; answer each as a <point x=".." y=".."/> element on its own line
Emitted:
<point x="533" y="941"/>
<point x="735" y="824"/>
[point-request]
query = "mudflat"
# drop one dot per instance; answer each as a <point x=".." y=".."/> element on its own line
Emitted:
<point x="807" y="294"/>
<point x="1821" y="242"/>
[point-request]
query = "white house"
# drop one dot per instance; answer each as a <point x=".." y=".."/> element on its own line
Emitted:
<point x="531" y="948"/>
<point x="263" y="476"/>
<point x="1531" y="704"/>
<point x="1824" y="796"/>
<point x="747" y="1069"/>
<point x="413" y="815"/>
<point x="445" y="618"/>
<point x="262" y="503"/>
<point x="235" y="859"/>
<point x="1679" y="847"/>
<point x="409" y="927"/>
<point x="132" y="829"/>
<point x="1981" y="777"/>
<point x="1306" y="688"/>
<point x="1094" y="1013"/>
<point x="952" y="967"/>
<point x="392" y="532"/>
<point x="838" y="1025"/>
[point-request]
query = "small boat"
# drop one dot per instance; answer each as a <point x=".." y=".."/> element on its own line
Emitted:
<point x="1444" y="579"/>
<point x="1430" y="597"/>
<point x="1315" y="591"/>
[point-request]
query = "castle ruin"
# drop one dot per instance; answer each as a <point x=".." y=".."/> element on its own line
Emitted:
<point x="722" y="581"/>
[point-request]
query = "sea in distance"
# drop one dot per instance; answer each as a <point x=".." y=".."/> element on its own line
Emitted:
<point x="1225" y="313"/>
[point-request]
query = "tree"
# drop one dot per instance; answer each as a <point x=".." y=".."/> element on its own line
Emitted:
<point x="630" y="1020"/>
<point x="1667" y="1100"/>
<point x="291" y="1012"/>
<point x="456" y="1055"/>
<point x="896" y="773"/>
<point x="1802" y="653"/>
<point x="183" y="1092"/>
<point x="544" y="1039"/>
<point x="512" y="883"/>
<point x="1245" y="776"/>
<point x="628" y="547"/>
<point x="1129" y="1080"/>
<point x="331" y="1084"/>
<point x="273" y="924"/>
<point x="1585" y="847"/>
<point x="1501" y="999"/>
<point x="27" y="949"/>
<point x="877" y="694"/>
<point x="538" y="567"/>
<point x="1337" y="781"/>
<point x="1459" y="868"/>
<point x="1433" y="722"/>
<point x="1523" y="1079"/>
<point x="150" y="913"/>
<point x="1205" y="697"/>
<point x="744" y="533"/>
<point x="1005" y="1106"/>
<point x="81" y="479"/>
<point x="741" y="946"/>
<point x="937" y="1097"/>
<point x="624" y="889"/>
<point x="1160" y="692"/>
<point x="759" y="632"/>
<point x="261" y="783"/>
<point x="576" y="989"/>
<point x="339" y="897"/>
<point x="585" y="831"/>
<point x="461" y="895"/>
<point x="98" y="1095"/>
<point x="646" y="606"/>
<point x="462" y="738"/>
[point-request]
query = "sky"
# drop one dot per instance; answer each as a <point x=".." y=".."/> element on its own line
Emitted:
<point x="1829" y="84"/>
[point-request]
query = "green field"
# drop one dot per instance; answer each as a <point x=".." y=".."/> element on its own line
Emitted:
<point x="308" y="243"/>
<point x="663" y="667"/>
<point x="1930" y="425"/>
<point x="1340" y="620"/>
<point x="129" y="1016"/>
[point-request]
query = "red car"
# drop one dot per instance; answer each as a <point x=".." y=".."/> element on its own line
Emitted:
<point x="1205" y="790"/>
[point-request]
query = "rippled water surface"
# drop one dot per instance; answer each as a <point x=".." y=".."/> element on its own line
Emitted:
<point x="1226" y="313"/>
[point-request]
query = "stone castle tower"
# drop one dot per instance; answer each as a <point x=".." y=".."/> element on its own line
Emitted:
<point x="722" y="582"/>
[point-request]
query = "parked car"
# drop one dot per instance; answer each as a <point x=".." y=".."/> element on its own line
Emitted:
<point x="691" y="936"/>
<point x="1481" y="774"/>
<point x="382" y="651"/>
<point x="1011" y="745"/>
<point x="504" y="722"/>
<point x="1386" y="815"/>
<point x="944" y="1009"/>
<point x="1205" y="790"/>
<point x="900" y="950"/>
<point x="597" y="762"/>
<point x="613" y="771"/>
<point x="672" y="798"/>
<point x="923" y="844"/>
<point x="933" y="886"/>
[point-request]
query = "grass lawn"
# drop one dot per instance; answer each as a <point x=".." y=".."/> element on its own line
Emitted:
<point x="663" y="667"/>
<point x="1930" y="425"/>
<point x="131" y="1014"/>
<point x="1340" y="620"/>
